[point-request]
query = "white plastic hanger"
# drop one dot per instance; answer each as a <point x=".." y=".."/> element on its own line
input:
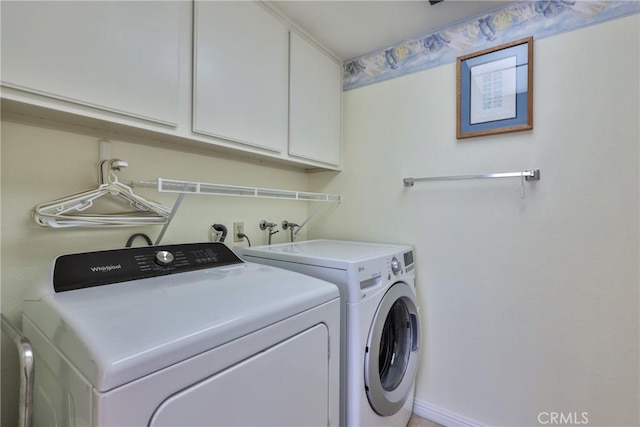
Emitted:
<point x="69" y="211"/>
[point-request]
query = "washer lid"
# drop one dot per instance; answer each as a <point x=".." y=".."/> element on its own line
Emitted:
<point x="325" y="253"/>
<point x="117" y="333"/>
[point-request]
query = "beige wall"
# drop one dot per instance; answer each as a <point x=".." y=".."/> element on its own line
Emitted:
<point x="40" y="165"/>
<point x="528" y="304"/>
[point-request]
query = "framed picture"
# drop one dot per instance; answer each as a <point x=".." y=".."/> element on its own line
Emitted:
<point x="495" y="90"/>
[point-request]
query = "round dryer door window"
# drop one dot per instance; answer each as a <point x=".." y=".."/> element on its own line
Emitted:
<point x="391" y="360"/>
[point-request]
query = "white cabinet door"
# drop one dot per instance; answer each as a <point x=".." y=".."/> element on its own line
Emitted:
<point x="240" y="74"/>
<point x="118" y="56"/>
<point x="315" y="103"/>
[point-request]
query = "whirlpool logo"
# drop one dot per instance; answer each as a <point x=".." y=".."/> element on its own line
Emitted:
<point x="106" y="268"/>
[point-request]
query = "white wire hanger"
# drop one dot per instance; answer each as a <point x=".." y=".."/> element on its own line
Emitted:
<point x="70" y="210"/>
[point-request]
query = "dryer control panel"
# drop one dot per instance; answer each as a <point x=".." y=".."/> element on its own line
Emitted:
<point x="88" y="269"/>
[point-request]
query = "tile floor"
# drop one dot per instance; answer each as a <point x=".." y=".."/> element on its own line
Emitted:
<point x="416" y="421"/>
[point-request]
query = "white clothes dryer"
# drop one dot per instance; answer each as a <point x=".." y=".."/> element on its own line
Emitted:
<point x="381" y="323"/>
<point x="182" y="335"/>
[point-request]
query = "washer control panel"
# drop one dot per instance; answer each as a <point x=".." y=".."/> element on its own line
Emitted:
<point x="396" y="266"/>
<point x="88" y="269"/>
<point x="401" y="264"/>
<point x="408" y="261"/>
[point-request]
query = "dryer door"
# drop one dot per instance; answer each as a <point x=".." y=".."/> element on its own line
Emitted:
<point x="285" y="385"/>
<point x="391" y="358"/>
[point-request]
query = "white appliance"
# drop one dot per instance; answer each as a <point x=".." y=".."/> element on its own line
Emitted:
<point x="381" y="323"/>
<point x="182" y="335"/>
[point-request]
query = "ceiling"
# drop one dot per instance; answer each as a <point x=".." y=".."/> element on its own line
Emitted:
<point x="357" y="27"/>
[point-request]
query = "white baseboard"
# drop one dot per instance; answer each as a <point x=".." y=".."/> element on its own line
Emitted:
<point x="442" y="416"/>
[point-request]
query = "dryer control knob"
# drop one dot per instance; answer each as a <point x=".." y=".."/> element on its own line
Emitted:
<point x="395" y="266"/>
<point x="164" y="258"/>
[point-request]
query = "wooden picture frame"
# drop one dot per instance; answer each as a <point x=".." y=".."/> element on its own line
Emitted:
<point x="495" y="90"/>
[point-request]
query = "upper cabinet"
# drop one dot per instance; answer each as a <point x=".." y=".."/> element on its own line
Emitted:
<point x="315" y="100"/>
<point x="115" y="56"/>
<point x="233" y="76"/>
<point x="240" y="75"/>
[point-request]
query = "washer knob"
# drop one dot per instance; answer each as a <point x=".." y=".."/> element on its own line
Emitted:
<point x="164" y="258"/>
<point x="395" y="266"/>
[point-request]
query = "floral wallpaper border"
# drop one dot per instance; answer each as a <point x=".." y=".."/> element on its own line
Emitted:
<point x="538" y="18"/>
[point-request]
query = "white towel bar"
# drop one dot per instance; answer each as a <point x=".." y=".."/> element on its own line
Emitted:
<point x="529" y="175"/>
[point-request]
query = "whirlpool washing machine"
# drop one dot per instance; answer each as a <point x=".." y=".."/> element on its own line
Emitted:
<point x="381" y="323"/>
<point x="182" y="335"/>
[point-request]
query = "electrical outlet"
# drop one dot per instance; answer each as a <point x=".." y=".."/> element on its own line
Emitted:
<point x="238" y="228"/>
